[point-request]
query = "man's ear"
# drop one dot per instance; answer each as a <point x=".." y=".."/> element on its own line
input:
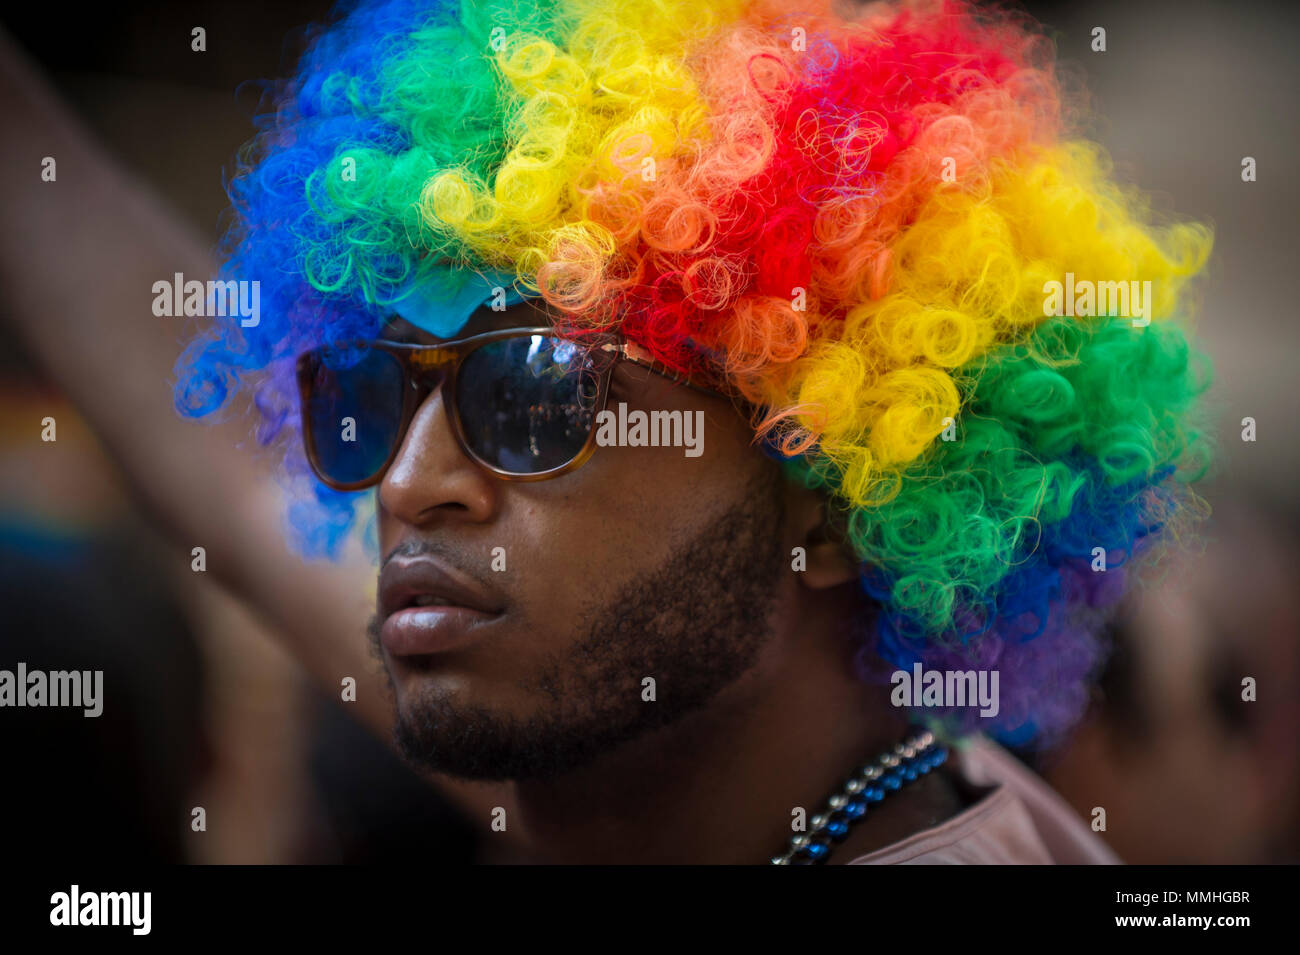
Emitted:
<point x="828" y="556"/>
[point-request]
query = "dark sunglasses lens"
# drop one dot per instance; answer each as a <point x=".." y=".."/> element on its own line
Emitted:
<point x="354" y="411"/>
<point x="527" y="404"/>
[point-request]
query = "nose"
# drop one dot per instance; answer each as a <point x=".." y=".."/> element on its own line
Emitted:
<point x="431" y="478"/>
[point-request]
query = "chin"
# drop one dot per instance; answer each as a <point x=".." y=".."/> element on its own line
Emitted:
<point x="424" y="683"/>
<point x="415" y="677"/>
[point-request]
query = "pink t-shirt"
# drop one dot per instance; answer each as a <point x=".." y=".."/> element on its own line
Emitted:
<point x="1021" y="822"/>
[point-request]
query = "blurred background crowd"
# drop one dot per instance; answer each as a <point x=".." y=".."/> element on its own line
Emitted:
<point x="219" y="716"/>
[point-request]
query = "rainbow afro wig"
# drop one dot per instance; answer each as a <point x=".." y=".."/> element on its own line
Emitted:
<point x="853" y="222"/>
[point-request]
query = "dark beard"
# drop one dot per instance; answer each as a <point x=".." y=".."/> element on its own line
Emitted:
<point x="696" y="625"/>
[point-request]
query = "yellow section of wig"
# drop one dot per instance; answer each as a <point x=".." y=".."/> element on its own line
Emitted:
<point x="619" y="92"/>
<point x="968" y="274"/>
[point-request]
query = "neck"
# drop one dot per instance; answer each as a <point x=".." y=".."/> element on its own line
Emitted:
<point x="719" y="786"/>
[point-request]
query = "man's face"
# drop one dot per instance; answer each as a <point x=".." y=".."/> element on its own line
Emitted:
<point x="642" y="564"/>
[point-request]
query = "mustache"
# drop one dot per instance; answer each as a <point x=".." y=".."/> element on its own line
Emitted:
<point x="445" y="552"/>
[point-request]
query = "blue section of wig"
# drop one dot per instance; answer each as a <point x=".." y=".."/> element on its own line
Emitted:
<point x="308" y="298"/>
<point x="1044" y="656"/>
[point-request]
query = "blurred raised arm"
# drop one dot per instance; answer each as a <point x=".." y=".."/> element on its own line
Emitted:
<point x="78" y="258"/>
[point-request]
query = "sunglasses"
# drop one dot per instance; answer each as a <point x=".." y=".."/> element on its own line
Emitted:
<point x="521" y="402"/>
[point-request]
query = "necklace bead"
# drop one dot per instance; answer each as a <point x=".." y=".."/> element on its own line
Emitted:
<point x="909" y="761"/>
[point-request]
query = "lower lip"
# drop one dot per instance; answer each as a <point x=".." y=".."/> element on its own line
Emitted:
<point x="421" y="630"/>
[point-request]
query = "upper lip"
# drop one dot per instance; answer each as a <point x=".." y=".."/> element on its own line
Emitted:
<point x="401" y="582"/>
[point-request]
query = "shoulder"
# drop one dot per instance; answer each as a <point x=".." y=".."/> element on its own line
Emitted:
<point x="1018" y="821"/>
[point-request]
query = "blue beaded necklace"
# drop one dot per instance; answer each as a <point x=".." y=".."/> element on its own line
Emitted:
<point x="909" y="761"/>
